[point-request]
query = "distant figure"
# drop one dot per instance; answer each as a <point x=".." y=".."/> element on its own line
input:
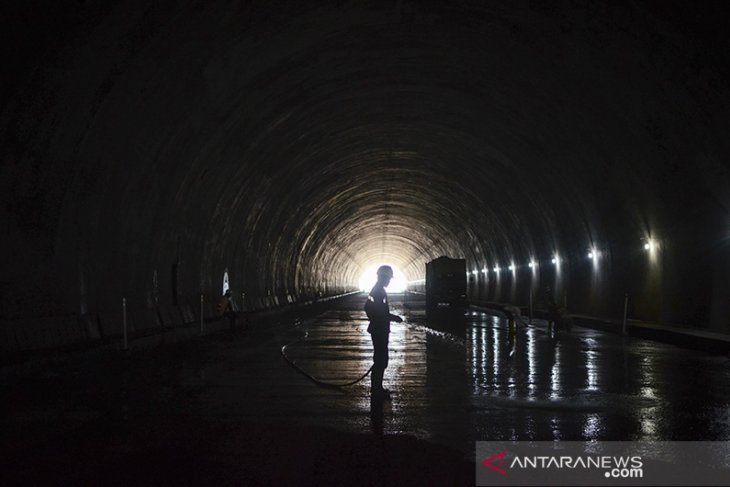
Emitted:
<point x="227" y="309"/>
<point x="552" y="308"/>
<point x="514" y="316"/>
<point x="378" y="311"/>
<point x="557" y="316"/>
<point x="513" y="313"/>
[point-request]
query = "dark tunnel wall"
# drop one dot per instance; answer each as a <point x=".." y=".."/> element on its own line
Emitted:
<point x="149" y="147"/>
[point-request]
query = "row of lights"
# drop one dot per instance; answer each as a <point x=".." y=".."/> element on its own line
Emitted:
<point x="593" y="254"/>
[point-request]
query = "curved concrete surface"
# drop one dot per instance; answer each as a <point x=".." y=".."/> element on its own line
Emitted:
<point x="152" y="153"/>
<point x="148" y="149"/>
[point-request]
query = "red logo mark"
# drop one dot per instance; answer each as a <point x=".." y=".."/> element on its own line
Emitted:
<point x="488" y="462"/>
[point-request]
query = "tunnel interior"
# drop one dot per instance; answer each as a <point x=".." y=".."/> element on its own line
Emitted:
<point x="151" y="148"/>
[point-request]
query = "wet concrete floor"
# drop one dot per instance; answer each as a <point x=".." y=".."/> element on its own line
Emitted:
<point x="455" y="380"/>
<point x="460" y="379"/>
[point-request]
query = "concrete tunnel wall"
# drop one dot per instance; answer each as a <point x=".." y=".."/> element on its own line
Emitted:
<point x="147" y="148"/>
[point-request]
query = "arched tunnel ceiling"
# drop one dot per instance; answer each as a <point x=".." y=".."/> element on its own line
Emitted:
<point x="301" y="144"/>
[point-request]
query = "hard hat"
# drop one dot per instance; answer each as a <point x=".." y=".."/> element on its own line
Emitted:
<point x="385" y="270"/>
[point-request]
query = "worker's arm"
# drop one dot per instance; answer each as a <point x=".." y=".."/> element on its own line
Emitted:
<point x="376" y="308"/>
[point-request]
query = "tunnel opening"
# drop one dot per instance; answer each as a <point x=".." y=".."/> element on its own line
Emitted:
<point x="156" y="155"/>
<point x="367" y="280"/>
<point x="287" y="149"/>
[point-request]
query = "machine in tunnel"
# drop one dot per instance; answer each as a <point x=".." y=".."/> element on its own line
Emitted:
<point x="145" y="155"/>
<point x="446" y="283"/>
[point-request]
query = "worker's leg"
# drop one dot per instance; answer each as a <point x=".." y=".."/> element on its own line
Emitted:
<point x="376" y="381"/>
<point x="380" y="361"/>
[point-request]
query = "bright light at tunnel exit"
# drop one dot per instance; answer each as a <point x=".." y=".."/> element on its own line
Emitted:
<point x="369" y="278"/>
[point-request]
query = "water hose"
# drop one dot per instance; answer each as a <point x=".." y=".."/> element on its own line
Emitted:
<point x="314" y="379"/>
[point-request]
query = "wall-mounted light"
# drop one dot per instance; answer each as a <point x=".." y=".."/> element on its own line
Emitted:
<point x="512" y="267"/>
<point x="651" y="245"/>
<point x="484" y="270"/>
<point x="475" y="272"/>
<point x="555" y="260"/>
<point x="532" y="264"/>
<point x="497" y="269"/>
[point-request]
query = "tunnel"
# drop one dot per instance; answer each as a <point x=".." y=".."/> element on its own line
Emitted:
<point x="156" y="154"/>
<point x="295" y="147"/>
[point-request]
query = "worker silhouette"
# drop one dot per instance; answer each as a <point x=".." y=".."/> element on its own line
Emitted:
<point x="227" y="309"/>
<point x="553" y="314"/>
<point x="378" y="311"/>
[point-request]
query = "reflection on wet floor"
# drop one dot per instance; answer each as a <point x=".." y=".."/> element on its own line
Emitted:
<point x="456" y="379"/>
<point x="462" y="378"/>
